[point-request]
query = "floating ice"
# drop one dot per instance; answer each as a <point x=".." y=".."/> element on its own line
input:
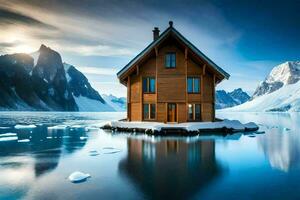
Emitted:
<point x="7" y="139"/>
<point x="77" y="177"/>
<point x="58" y="127"/>
<point x="286" y="129"/>
<point x="8" y="135"/>
<point x="93" y="153"/>
<point x="24" y="140"/>
<point x="110" y="150"/>
<point x="19" y="126"/>
<point x="83" y="137"/>
<point x="4" y="128"/>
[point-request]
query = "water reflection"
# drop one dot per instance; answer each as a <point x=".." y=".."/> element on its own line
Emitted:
<point x="281" y="143"/>
<point x="34" y="153"/>
<point x="170" y="168"/>
<point x="282" y="148"/>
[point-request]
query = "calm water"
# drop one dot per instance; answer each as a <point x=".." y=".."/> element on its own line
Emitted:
<point x="35" y="163"/>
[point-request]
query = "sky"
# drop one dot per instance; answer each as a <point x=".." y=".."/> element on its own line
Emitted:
<point x="246" y="38"/>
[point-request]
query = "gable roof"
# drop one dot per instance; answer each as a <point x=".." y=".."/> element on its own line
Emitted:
<point x="169" y="30"/>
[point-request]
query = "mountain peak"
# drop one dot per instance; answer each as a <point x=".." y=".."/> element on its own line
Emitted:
<point x="283" y="74"/>
<point x="42" y="47"/>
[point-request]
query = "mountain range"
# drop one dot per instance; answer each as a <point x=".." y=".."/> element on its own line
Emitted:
<point x="42" y="82"/>
<point x="279" y="92"/>
<point x="229" y="99"/>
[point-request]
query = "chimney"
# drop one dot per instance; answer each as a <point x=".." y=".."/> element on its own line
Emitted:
<point x="155" y="33"/>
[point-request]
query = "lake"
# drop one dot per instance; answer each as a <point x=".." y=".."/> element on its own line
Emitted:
<point x="35" y="162"/>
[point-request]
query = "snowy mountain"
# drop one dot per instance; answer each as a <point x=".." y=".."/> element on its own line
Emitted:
<point x="41" y="81"/>
<point x="276" y="99"/>
<point x="117" y="103"/>
<point x="281" y="75"/>
<point x="229" y="99"/>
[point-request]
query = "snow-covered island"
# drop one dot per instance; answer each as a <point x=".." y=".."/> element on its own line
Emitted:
<point x="188" y="128"/>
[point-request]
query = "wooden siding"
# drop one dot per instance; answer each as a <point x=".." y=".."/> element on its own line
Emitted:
<point x="135" y="85"/>
<point x="171" y="85"/>
<point x="136" y="112"/>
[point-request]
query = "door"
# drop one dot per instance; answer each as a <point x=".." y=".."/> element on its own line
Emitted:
<point x="172" y="112"/>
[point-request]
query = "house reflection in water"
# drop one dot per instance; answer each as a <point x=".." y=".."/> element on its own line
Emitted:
<point x="170" y="168"/>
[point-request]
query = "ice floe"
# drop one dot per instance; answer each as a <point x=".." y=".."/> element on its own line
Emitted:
<point x="94" y="153"/>
<point x="24" y="141"/>
<point x="7" y="139"/>
<point x="110" y="150"/>
<point x="77" y="177"/>
<point x="20" y="126"/>
<point x="8" y="134"/>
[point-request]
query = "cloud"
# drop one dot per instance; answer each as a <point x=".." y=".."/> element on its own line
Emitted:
<point x="99" y="50"/>
<point x="98" y="70"/>
<point x="8" y="17"/>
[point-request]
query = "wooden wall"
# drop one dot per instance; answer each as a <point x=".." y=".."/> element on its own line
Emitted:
<point x="171" y="85"/>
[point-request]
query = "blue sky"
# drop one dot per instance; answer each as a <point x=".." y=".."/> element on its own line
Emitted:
<point x="246" y="38"/>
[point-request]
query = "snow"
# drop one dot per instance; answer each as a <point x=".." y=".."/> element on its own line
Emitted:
<point x="285" y="72"/>
<point x="66" y="67"/>
<point x="90" y="105"/>
<point x="19" y="126"/>
<point x="35" y="57"/>
<point x="118" y="104"/>
<point x="281" y="75"/>
<point x="78" y="176"/>
<point x="189" y="126"/>
<point x="286" y="98"/>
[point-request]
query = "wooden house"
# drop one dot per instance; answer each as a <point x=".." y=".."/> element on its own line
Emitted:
<point x="171" y="81"/>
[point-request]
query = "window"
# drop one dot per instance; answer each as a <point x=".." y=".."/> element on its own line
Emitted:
<point x="193" y="85"/>
<point x="149" y="85"/>
<point x="170" y="60"/>
<point x="149" y="111"/>
<point x="194" y="112"/>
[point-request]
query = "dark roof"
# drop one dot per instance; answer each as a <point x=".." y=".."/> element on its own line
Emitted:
<point x="180" y="36"/>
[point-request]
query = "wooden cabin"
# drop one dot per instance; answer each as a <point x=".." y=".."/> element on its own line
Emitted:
<point x="171" y="81"/>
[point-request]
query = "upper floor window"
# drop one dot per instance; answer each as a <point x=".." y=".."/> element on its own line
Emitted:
<point x="193" y="85"/>
<point x="149" y="85"/>
<point x="170" y="60"/>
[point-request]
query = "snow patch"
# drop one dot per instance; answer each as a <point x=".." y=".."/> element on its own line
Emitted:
<point x="287" y="98"/>
<point x="66" y="67"/>
<point x="90" y="105"/>
<point x="189" y="126"/>
<point x="118" y="104"/>
<point x="35" y="57"/>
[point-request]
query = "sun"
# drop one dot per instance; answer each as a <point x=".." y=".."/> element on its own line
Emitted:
<point x="23" y="48"/>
